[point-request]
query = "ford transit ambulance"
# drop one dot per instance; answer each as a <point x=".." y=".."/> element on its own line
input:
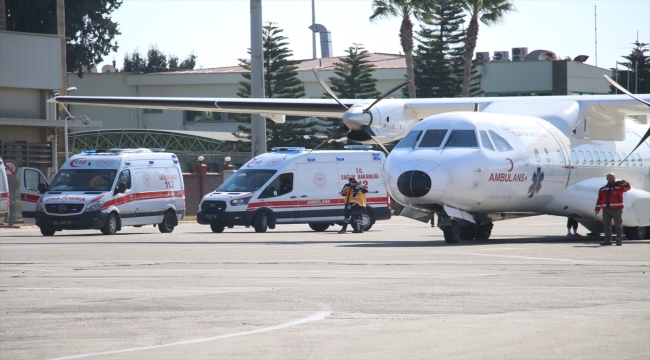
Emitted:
<point x="111" y="189"/>
<point x="296" y="186"/>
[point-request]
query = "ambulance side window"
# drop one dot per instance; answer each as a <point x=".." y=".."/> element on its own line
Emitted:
<point x="32" y="178"/>
<point x="281" y="185"/>
<point x="125" y="177"/>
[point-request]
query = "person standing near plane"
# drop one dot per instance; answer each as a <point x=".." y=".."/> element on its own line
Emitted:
<point x="347" y="207"/>
<point x="572" y="223"/>
<point x="610" y="201"/>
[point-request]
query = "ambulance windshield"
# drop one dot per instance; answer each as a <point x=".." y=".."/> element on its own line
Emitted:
<point x="247" y="180"/>
<point x="83" y="180"/>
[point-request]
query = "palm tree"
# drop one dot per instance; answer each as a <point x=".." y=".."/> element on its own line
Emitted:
<point x="420" y="9"/>
<point x="490" y="12"/>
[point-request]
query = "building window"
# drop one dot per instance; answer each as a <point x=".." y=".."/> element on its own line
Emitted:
<point x="200" y="117"/>
<point x="153" y="111"/>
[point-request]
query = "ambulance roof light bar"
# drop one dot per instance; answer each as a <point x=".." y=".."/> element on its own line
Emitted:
<point x="289" y="149"/>
<point x="358" y="147"/>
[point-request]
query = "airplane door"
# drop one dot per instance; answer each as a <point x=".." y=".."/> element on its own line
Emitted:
<point x="29" y="195"/>
<point x="319" y="192"/>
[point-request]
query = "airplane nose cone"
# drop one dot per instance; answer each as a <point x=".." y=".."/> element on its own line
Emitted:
<point x="414" y="183"/>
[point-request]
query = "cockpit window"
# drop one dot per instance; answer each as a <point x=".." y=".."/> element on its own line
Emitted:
<point x="500" y="143"/>
<point x="485" y="141"/>
<point x="462" y="139"/>
<point x="433" y="138"/>
<point x="410" y="139"/>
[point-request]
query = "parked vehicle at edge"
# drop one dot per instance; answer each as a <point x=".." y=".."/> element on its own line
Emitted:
<point x="296" y="186"/>
<point x="106" y="191"/>
<point x="4" y="194"/>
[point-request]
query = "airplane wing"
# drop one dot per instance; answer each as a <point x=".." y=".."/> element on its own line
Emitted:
<point x="298" y="107"/>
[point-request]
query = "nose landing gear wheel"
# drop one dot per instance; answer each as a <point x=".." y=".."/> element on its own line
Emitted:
<point x="452" y="232"/>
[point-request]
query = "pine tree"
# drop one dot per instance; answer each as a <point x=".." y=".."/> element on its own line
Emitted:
<point x="636" y="79"/>
<point x="354" y="75"/>
<point x="438" y="57"/>
<point x="354" y="80"/>
<point x="280" y="81"/>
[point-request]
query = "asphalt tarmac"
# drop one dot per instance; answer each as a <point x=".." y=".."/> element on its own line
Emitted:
<point x="396" y="292"/>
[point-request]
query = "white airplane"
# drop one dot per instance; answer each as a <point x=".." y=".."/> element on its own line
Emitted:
<point x="517" y="156"/>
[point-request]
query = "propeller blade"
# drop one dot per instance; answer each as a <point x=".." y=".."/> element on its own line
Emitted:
<point x="370" y="133"/>
<point x="624" y="90"/>
<point x="337" y="133"/>
<point x="327" y="88"/>
<point x="386" y="94"/>
<point x="647" y="135"/>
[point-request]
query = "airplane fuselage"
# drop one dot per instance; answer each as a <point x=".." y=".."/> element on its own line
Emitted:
<point x="512" y="165"/>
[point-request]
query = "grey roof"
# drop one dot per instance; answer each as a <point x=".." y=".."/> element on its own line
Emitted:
<point x="380" y="60"/>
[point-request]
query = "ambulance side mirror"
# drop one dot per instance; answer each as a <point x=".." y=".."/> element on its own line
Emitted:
<point x="41" y="188"/>
<point x="121" y="188"/>
<point x="275" y="193"/>
<point x="271" y="192"/>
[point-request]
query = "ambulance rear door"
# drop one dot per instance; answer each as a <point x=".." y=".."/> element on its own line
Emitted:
<point x="319" y="192"/>
<point x="29" y="195"/>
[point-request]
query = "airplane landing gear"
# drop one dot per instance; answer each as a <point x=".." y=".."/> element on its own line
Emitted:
<point x="452" y="232"/>
<point x="484" y="231"/>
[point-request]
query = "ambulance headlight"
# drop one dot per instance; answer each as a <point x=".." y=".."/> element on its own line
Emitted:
<point x="40" y="207"/>
<point x="242" y="201"/>
<point x="95" y="206"/>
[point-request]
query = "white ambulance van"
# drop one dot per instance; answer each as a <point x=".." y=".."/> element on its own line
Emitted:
<point x="4" y="194"/>
<point x="109" y="190"/>
<point x="296" y="186"/>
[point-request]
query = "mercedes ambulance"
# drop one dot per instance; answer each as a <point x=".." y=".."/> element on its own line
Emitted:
<point x="296" y="186"/>
<point x="109" y="190"/>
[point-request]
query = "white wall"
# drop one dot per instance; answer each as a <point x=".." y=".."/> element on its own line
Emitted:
<point x="30" y="61"/>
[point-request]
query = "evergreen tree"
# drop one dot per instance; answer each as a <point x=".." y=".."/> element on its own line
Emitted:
<point x="355" y="80"/>
<point x="280" y="81"/>
<point x="440" y="46"/>
<point x="156" y="62"/>
<point x="636" y="79"/>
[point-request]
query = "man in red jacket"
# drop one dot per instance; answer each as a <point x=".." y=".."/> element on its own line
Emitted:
<point x="610" y="200"/>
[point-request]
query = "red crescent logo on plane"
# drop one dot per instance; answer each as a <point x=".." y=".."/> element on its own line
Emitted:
<point x="512" y="164"/>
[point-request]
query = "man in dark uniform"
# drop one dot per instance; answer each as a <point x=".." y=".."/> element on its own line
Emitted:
<point x="610" y="200"/>
<point x="356" y="196"/>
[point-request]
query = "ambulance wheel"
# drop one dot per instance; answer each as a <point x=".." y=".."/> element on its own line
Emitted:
<point x="319" y="226"/>
<point x="261" y="222"/>
<point x="110" y="228"/>
<point x="168" y="223"/>
<point x="47" y="232"/>
<point x="483" y="232"/>
<point x="217" y="228"/>
<point x="367" y="220"/>
<point x="634" y="233"/>
<point x="452" y="232"/>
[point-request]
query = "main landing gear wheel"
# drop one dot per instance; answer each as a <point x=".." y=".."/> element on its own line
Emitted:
<point x="168" y="223"/>
<point x="217" y="228"/>
<point x="319" y="226"/>
<point x="261" y="222"/>
<point x="452" y="232"/>
<point x="484" y="231"/>
<point x="635" y="233"/>
<point x="47" y="232"/>
<point x="468" y="232"/>
<point x="110" y="228"/>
